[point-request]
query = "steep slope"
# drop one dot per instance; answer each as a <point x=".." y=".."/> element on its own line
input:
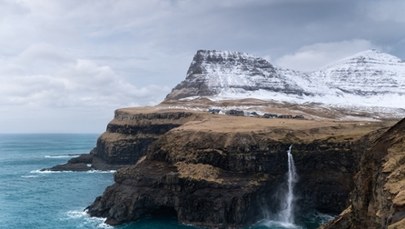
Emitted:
<point x="367" y="79"/>
<point x="367" y="73"/>
<point x="378" y="199"/>
<point x="214" y="73"/>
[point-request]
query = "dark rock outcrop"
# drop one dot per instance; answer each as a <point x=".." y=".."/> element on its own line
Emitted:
<point x="80" y="163"/>
<point x="378" y="198"/>
<point x="127" y="138"/>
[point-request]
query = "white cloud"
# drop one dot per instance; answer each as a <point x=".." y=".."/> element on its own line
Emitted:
<point x="44" y="80"/>
<point x="49" y="61"/>
<point x="312" y="57"/>
<point x="51" y="78"/>
<point x="387" y="10"/>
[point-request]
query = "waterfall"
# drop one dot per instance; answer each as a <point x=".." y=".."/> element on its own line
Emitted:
<point x="285" y="217"/>
<point x="287" y="214"/>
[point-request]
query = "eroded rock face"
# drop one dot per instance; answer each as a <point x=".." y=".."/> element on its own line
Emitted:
<point x="212" y="72"/>
<point x="149" y="188"/>
<point x="378" y="196"/>
<point x="325" y="166"/>
<point x="220" y="177"/>
<point x="128" y="137"/>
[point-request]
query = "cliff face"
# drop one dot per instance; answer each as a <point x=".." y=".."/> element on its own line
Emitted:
<point x="264" y="153"/>
<point x="378" y="199"/>
<point x="128" y="137"/>
<point x="214" y="72"/>
<point x="222" y="171"/>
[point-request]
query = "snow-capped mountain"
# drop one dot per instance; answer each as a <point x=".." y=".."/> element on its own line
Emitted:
<point x="367" y="73"/>
<point x="218" y="73"/>
<point x="369" y="78"/>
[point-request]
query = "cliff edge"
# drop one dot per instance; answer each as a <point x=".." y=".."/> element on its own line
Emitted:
<point x="223" y="171"/>
<point x="128" y="137"/>
<point x="378" y="198"/>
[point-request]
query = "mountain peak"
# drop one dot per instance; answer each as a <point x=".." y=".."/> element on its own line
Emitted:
<point x="370" y="73"/>
<point x="225" y="73"/>
<point x="371" y="56"/>
<point x="368" y="78"/>
<point x="224" y="54"/>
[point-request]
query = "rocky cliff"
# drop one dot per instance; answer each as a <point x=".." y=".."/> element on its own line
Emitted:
<point x="224" y="171"/>
<point x="128" y="137"/>
<point x="378" y="198"/>
<point x="213" y="73"/>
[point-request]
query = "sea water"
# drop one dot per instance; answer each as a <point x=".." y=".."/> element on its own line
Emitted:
<point x="30" y="198"/>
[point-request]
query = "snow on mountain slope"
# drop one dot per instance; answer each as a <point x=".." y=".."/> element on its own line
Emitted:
<point x="367" y="73"/>
<point x="234" y="73"/>
<point x="370" y="78"/>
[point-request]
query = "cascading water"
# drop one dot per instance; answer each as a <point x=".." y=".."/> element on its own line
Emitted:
<point x="287" y="214"/>
<point x="284" y="219"/>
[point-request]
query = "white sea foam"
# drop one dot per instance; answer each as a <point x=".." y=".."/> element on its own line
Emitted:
<point x="101" y="171"/>
<point x="29" y="176"/>
<point x="48" y="171"/>
<point x="90" y="171"/>
<point x="87" y="220"/>
<point x="77" y="214"/>
<point x="60" y="156"/>
<point x="278" y="224"/>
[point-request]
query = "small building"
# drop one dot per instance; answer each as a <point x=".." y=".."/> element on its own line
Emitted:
<point x="270" y="115"/>
<point x="285" y="116"/>
<point x="214" y="111"/>
<point x="235" y="113"/>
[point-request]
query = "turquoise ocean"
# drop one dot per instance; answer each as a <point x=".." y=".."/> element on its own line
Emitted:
<point x="30" y="198"/>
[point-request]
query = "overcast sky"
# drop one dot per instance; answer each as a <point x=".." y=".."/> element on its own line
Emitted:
<point x="65" y="65"/>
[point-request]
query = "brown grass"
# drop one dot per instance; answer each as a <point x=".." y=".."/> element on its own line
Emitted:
<point x="199" y="172"/>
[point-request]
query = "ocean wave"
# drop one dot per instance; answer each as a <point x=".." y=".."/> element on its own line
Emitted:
<point x="29" y="176"/>
<point x="89" y="171"/>
<point x="87" y="219"/>
<point x="48" y="171"/>
<point x="61" y="156"/>
<point x="101" y="171"/>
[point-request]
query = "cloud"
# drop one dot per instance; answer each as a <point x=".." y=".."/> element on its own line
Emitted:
<point x="312" y="57"/>
<point x="44" y="89"/>
<point x="49" y="77"/>
<point x="387" y="10"/>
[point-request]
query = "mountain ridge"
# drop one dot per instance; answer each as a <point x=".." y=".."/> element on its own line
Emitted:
<point x="368" y="78"/>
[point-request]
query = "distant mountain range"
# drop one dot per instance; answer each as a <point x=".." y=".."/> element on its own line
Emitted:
<point x="369" y="78"/>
